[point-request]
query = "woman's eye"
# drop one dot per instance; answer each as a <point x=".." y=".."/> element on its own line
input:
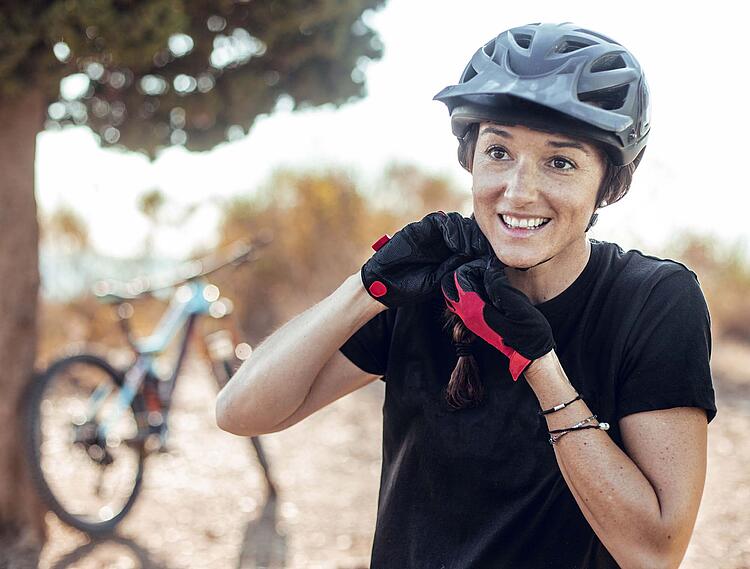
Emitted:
<point x="559" y="163"/>
<point x="496" y="151"/>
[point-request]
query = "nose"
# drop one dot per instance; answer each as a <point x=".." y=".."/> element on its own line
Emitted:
<point x="521" y="186"/>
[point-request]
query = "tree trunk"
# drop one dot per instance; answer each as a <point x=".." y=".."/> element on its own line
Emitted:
<point x="22" y="529"/>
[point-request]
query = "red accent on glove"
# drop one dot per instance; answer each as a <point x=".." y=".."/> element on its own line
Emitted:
<point x="380" y="242"/>
<point x="470" y="307"/>
<point x="378" y="289"/>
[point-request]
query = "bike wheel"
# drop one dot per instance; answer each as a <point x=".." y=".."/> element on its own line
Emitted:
<point x="88" y="479"/>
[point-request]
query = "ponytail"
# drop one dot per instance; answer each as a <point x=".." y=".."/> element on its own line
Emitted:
<point x="465" y="387"/>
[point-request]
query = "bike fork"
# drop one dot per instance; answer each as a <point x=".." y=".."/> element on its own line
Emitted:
<point x="133" y="379"/>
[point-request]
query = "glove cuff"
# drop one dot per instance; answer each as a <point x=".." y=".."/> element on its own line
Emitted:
<point x="518" y="364"/>
<point x="376" y="288"/>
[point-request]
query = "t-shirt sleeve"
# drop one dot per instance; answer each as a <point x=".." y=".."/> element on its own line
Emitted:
<point x="667" y="359"/>
<point x="369" y="346"/>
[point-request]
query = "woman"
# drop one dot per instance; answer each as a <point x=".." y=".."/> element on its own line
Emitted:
<point x="493" y="453"/>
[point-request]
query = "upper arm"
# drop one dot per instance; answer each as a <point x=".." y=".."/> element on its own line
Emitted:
<point x="338" y="377"/>
<point x="669" y="446"/>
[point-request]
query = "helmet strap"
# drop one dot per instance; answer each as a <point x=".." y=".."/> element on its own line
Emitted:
<point x="592" y="221"/>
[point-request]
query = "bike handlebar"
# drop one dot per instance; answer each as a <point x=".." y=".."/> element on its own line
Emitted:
<point x="240" y="251"/>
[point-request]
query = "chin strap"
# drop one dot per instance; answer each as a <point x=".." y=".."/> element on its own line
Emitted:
<point x="532" y="266"/>
<point x="592" y="221"/>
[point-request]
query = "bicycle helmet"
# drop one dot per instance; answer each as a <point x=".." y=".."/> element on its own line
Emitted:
<point x="558" y="77"/>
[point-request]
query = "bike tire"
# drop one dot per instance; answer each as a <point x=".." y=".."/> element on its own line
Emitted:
<point x="39" y="405"/>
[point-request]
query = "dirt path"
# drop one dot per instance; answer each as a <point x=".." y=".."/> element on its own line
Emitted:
<point x="204" y="504"/>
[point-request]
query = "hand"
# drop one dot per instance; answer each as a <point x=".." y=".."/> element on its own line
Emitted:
<point x="507" y="320"/>
<point x="408" y="267"/>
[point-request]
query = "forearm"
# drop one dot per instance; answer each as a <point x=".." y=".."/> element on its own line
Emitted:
<point x="618" y="501"/>
<point x="274" y="381"/>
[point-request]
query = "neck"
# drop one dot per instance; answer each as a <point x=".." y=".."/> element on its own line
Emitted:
<point x="549" y="279"/>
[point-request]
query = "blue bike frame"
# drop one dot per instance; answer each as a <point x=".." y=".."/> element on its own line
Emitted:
<point x="189" y="301"/>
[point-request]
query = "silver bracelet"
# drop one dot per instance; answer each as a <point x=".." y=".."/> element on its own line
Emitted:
<point x="557" y="434"/>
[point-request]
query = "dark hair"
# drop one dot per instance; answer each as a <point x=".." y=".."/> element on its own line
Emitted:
<point x="465" y="387"/>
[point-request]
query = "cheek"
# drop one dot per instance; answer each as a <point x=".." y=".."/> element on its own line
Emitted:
<point x="485" y="202"/>
<point x="486" y="188"/>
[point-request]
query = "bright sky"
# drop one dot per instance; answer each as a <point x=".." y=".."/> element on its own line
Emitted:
<point x="692" y="176"/>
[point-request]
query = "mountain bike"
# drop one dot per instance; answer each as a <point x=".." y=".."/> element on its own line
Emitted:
<point x="91" y="425"/>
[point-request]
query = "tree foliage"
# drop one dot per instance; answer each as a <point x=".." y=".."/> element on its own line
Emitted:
<point x="152" y="73"/>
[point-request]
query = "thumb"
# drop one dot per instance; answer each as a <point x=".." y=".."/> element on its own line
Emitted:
<point x="495" y="279"/>
<point x="470" y="276"/>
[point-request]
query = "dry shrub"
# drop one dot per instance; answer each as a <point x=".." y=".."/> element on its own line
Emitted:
<point x="724" y="274"/>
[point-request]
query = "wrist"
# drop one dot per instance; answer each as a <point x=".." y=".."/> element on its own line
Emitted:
<point x="543" y="367"/>
<point x="551" y="386"/>
<point x="362" y="301"/>
<point x="548" y="380"/>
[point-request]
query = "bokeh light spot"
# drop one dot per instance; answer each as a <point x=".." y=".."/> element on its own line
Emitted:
<point x="177" y="117"/>
<point x="235" y="132"/>
<point x="61" y="51"/>
<point x="178" y="137"/>
<point x="184" y="83"/>
<point x="216" y="23"/>
<point x="236" y="48"/>
<point x="117" y="79"/>
<point x="74" y="86"/>
<point x="95" y="70"/>
<point x="153" y="85"/>
<point x="111" y="135"/>
<point x="205" y="82"/>
<point x="57" y="111"/>
<point x="180" y="44"/>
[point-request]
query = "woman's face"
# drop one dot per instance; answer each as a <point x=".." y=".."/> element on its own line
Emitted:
<point x="534" y="192"/>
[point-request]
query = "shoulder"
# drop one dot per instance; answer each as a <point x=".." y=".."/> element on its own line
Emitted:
<point x="640" y="275"/>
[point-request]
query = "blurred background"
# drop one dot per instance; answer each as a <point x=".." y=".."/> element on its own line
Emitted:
<point x="154" y="132"/>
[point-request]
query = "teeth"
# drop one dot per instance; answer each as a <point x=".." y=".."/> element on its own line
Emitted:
<point x="525" y="222"/>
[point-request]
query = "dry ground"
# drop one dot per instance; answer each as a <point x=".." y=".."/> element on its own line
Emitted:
<point x="204" y="504"/>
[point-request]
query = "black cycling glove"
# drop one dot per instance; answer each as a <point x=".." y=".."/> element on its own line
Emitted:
<point x="480" y="294"/>
<point x="408" y="267"/>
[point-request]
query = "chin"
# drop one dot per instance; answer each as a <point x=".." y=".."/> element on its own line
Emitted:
<point x="517" y="260"/>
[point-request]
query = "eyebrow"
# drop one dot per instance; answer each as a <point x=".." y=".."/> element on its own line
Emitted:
<point x="553" y="143"/>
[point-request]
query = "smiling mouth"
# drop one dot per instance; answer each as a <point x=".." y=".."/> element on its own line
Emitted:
<point x="523" y="225"/>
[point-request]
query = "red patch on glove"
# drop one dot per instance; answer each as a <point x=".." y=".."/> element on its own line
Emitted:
<point x="470" y="307"/>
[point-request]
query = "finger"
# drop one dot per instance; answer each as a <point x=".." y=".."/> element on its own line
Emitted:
<point x="427" y="236"/>
<point x="495" y="279"/>
<point x="463" y="236"/>
<point x="470" y="276"/>
<point x="448" y="282"/>
<point x="448" y="286"/>
<point x="448" y="266"/>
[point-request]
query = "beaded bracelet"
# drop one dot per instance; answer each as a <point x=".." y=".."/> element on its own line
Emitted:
<point x="558" y="407"/>
<point x="557" y="434"/>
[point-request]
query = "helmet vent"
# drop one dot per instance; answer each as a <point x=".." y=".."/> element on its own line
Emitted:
<point x="571" y="45"/>
<point x="469" y="74"/>
<point x="597" y="35"/>
<point x="523" y="40"/>
<point x="610" y="99"/>
<point x="489" y="47"/>
<point x="608" y="62"/>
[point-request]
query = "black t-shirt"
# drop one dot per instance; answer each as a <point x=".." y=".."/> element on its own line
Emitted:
<point x="480" y="488"/>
